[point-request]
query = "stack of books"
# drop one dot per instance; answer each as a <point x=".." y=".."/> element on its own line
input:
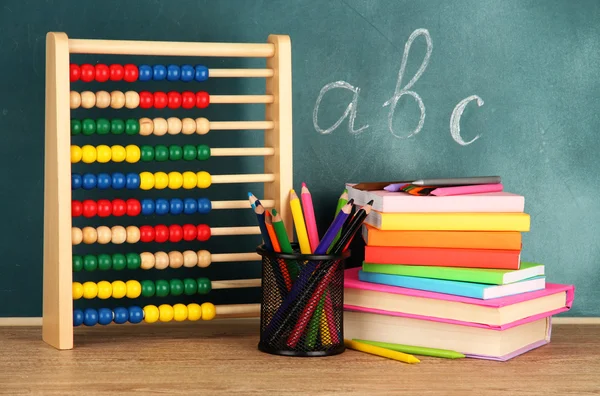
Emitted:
<point x="446" y="272"/>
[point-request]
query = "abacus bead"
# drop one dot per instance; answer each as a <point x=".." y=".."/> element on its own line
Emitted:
<point x="104" y="180"/>
<point x="119" y="207"/>
<point x="76" y="208"/>
<point x="145" y="73"/>
<point x="161" y="260"/>
<point x="190" y="287"/>
<point x="204" y="258"/>
<point x="201" y="73"/>
<point x="88" y="127"/>
<point x="104" y="235"/>
<point x="175" y="206"/>
<point x="103" y="154"/>
<point x="190" y="205"/>
<point x="204" y="205"/>
<point x="161" y="180"/>
<point x="90" y="208"/>
<point x="174" y="125"/>
<point x="189" y="232"/>
<point x="134" y="289"/>
<point x="188" y="126"/>
<point x="175" y="180"/>
<point x="194" y="312"/>
<point x="151" y="313"/>
<point x="90" y="262"/>
<point x="88" y="73"/>
<point x="146" y="180"/>
<point x="161" y="153"/>
<point x="104" y="262"/>
<point x="116" y="72"/>
<point x="74" y="72"/>
<point x="132" y="153"/>
<point x="133" y="260"/>
<point x="133" y="207"/>
<point x="102" y="99"/>
<point x="77" y="263"/>
<point x="88" y="99"/>
<point x="173" y="73"/>
<point x="136" y="314"/>
<point x="204" y="180"/>
<point x="90" y="235"/>
<point x="104" y="208"/>
<point x="118" y="180"/>
<point x="102" y="126"/>
<point x="119" y="289"/>
<point x="146" y="153"/>
<point x="165" y="313"/>
<point x="74" y="100"/>
<point x="148" y="288"/>
<point x="132" y="126"/>
<point x="188" y="100"/>
<point x="162" y="206"/>
<point x="90" y="290"/>
<point x="203" y="152"/>
<point x="161" y="233"/>
<point x="190" y="259"/>
<point x="104" y="290"/>
<point x="208" y="311"/>
<point x="132" y="100"/>
<point x="130" y="73"/>
<point x="202" y="99"/>
<point x="117" y="126"/>
<point x="147" y="260"/>
<point x="160" y="100"/>
<point x="132" y="181"/>
<point x="176" y="287"/>
<point x="162" y="288"/>
<point x="75" y="127"/>
<point x="146" y="233"/>
<point x="189" y="152"/>
<point x="175" y="152"/>
<point x="105" y="316"/>
<point x="180" y="312"/>
<point x="175" y="235"/>
<point x="88" y="154"/>
<point x="76" y="154"/>
<point x="119" y="262"/>
<point x="88" y="181"/>
<point x="133" y="234"/>
<point x="174" y="99"/>
<point x="146" y="100"/>
<point x="119" y="234"/>
<point x="187" y="73"/>
<point x="77" y="317"/>
<point x="77" y="289"/>
<point x="90" y="317"/>
<point x="76" y="236"/>
<point x="159" y="72"/>
<point x="102" y="72"/>
<point x="121" y="315"/>
<point x="160" y="126"/>
<point x="117" y="99"/>
<point x="147" y="206"/>
<point x="204" y="285"/>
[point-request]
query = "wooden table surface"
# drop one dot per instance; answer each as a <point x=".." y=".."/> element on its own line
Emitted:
<point x="220" y="357"/>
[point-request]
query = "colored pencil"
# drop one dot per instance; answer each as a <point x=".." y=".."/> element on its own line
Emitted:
<point x="282" y="265"/>
<point x="284" y="243"/>
<point x="458" y="181"/>
<point x="416" y="350"/>
<point x="260" y="216"/>
<point x="342" y="200"/>
<point x="301" y="232"/>
<point x="378" y="351"/>
<point x="309" y="217"/>
<point x="351" y="229"/>
<point x="253" y="200"/>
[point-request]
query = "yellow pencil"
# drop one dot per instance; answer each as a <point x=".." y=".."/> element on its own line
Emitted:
<point x="301" y="231"/>
<point x="378" y="351"/>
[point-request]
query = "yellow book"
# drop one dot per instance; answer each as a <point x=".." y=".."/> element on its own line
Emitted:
<point x="450" y="221"/>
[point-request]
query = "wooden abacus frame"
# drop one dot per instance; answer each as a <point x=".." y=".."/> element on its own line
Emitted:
<point x="57" y="284"/>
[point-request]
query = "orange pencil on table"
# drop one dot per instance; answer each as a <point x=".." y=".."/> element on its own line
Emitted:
<point x="309" y="218"/>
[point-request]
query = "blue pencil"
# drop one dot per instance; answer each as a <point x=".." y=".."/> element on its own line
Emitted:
<point x="253" y="200"/>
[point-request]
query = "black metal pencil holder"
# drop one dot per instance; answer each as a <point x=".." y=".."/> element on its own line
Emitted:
<point x="302" y="303"/>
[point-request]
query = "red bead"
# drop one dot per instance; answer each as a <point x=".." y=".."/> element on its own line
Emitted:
<point x="119" y="207"/>
<point x="116" y="72"/>
<point x="146" y="100"/>
<point x="88" y="72"/>
<point x="188" y="100"/>
<point x="161" y="233"/>
<point x="146" y="233"/>
<point x="104" y="208"/>
<point x="77" y="209"/>
<point x="90" y="209"/>
<point x="189" y="232"/>
<point x="130" y="73"/>
<point x="74" y="72"/>
<point x="175" y="233"/>
<point x="174" y="100"/>
<point x="102" y="72"/>
<point x="203" y="232"/>
<point x="202" y="99"/>
<point x="134" y="207"/>
<point x="160" y="100"/>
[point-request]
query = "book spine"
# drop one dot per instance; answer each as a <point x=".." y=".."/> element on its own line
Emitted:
<point x="450" y="221"/>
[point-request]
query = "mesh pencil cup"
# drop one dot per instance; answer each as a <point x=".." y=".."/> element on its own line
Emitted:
<point x="302" y="303"/>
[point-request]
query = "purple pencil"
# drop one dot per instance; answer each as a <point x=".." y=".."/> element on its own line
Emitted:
<point x="333" y="229"/>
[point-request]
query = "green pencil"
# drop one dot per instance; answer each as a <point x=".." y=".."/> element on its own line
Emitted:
<point x="416" y="350"/>
<point x="342" y="200"/>
<point x="284" y="243"/>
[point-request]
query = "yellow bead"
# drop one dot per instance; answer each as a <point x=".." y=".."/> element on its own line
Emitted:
<point x="77" y="290"/>
<point x="203" y="179"/>
<point x="180" y="312"/>
<point x="88" y="154"/>
<point x="118" y="153"/>
<point x="208" y="311"/>
<point x="76" y="154"/>
<point x="150" y="313"/>
<point x="103" y="153"/>
<point x="146" y="181"/>
<point x="104" y="290"/>
<point x="134" y="289"/>
<point x="90" y="290"/>
<point x="165" y="313"/>
<point x="190" y="180"/>
<point x="133" y="153"/>
<point x="119" y="289"/>
<point x="175" y="180"/>
<point x="194" y="312"/>
<point x="161" y="180"/>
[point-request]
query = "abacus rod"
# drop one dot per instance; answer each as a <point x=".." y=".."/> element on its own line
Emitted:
<point x="170" y="48"/>
<point x="241" y="73"/>
<point x="222" y="99"/>
<point x="237" y="310"/>
<point x="235" y="284"/>
<point x="241" y="204"/>
<point x="242" y="151"/>
<point x="235" y="125"/>
<point x="243" y="178"/>
<point x="222" y="231"/>
<point x="228" y="257"/>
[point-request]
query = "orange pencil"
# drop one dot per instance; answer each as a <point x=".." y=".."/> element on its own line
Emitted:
<point x="277" y="248"/>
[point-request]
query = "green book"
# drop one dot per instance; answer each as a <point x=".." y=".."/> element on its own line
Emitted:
<point x="473" y="275"/>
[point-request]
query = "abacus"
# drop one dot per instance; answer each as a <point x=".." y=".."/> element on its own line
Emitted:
<point x="61" y="238"/>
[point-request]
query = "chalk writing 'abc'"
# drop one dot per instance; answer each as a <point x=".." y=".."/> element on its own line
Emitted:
<point x="399" y="92"/>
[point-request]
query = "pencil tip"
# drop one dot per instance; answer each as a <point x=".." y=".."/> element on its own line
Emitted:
<point x="249" y="194"/>
<point x="370" y="202"/>
<point x="303" y="184"/>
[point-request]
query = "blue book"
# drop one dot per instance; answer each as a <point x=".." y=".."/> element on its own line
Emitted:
<point x="466" y="289"/>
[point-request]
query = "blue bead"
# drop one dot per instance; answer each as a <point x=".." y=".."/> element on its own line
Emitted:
<point x="173" y="73"/>
<point x="118" y="181"/>
<point x="159" y="72"/>
<point x="190" y="206"/>
<point x="201" y="73"/>
<point x="161" y="206"/>
<point x="77" y="317"/>
<point x="105" y="316"/>
<point x="121" y="315"/>
<point x="147" y="206"/>
<point x="176" y="206"/>
<point x="136" y="314"/>
<point x="187" y="73"/>
<point x="145" y="73"/>
<point x="90" y="317"/>
<point x="204" y="205"/>
<point x="89" y="181"/>
<point x="76" y="181"/>
<point x="133" y="181"/>
<point x="104" y="181"/>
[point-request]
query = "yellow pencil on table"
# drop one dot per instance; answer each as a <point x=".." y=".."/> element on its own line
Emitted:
<point x="378" y="351"/>
<point x="301" y="231"/>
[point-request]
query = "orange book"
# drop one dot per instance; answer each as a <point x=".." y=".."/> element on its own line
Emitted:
<point x="504" y="240"/>
<point x="442" y="257"/>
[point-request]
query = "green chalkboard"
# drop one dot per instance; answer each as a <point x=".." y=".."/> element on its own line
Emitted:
<point x="381" y="90"/>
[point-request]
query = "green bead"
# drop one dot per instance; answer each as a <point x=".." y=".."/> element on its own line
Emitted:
<point x="75" y="127"/>
<point x="77" y="263"/>
<point x="190" y="287"/>
<point x="133" y="261"/>
<point x="204" y="285"/>
<point x="203" y="152"/>
<point x="176" y="286"/>
<point x="117" y="126"/>
<point x="161" y="153"/>
<point x="146" y="153"/>
<point x="162" y="288"/>
<point x="88" y="127"/>
<point x="132" y="127"/>
<point x="102" y="126"/>
<point x="104" y="262"/>
<point x="90" y="262"/>
<point x="119" y="262"/>
<point x="175" y="152"/>
<point x="148" y="288"/>
<point x="189" y="152"/>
